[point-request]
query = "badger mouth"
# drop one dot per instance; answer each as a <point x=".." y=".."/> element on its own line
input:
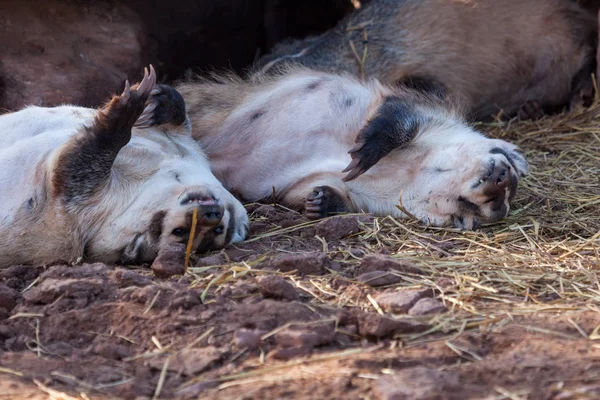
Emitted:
<point x="198" y="198"/>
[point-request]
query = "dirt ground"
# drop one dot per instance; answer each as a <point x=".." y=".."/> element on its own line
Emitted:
<point x="351" y="307"/>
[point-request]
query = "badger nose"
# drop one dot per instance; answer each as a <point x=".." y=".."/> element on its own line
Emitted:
<point x="210" y="215"/>
<point x="501" y="176"/>
<point x="498" y="180"/>
<point x="209" y="209"/>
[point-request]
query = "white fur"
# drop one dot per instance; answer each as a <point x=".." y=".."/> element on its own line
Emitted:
<point x="304" y="132"/>
<point x="150" y="174"/>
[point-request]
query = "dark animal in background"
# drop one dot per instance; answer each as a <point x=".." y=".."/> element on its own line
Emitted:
<point x="510" y="55"/>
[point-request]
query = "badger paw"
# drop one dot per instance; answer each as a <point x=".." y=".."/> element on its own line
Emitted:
<point x="122" y="111"/>
<point x="165" y="105"/>
<point x="324" y="201"/>
<point x="532" y="110"/>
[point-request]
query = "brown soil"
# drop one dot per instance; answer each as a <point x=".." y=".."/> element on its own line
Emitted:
<point x="283" y="316"/>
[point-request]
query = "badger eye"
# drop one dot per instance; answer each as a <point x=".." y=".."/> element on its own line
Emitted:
<point x="218" y="230"/>
<point x="179" y="231"/>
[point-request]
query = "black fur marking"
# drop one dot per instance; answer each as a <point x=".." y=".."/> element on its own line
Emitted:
<point x="425" y="85"/>
<point x="136" y="253"/>
<point x="231" y="223"/>
<point x="349" y="102"/>
<point x="85" y="162"/>
<point x="156" y="224"/>
<point x="257" y="115"/>
<point x="313" y="86"/>
<point x="170" y="106"/>
<point x="395" y="125"/>
<point x="176" y="176"/>
<point x="469" y="206"/>
<point x="324" y="201"/>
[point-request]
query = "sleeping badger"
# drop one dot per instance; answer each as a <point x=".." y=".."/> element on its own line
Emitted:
<point x="78" y="182"/>
<point x="511" y="55"/>
<point x="294" y="134"/>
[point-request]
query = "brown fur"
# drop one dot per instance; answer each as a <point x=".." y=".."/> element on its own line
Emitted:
<point x="493" y="55"/>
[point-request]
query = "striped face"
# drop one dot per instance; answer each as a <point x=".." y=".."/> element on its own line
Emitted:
<point x="213" y="221"/>
<point x="471" y="182"/>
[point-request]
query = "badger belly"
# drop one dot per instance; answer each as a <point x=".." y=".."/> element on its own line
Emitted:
<point x="301" y="126"/>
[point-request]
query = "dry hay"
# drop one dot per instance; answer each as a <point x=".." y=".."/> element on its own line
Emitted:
<point x="541" y="260"/>
<point x="532" y="274"/>
<point x="542" y="257"/>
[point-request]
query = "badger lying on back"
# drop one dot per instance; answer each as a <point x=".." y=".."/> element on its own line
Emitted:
<point x="508" y="55"/>
<point x="78" y="182"/>
<point x="294" y="134"/>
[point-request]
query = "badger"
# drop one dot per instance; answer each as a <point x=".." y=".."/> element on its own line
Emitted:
<point x="115" y="184"/>
<point x="497" y="57"/>
<point x="330" y="143"/>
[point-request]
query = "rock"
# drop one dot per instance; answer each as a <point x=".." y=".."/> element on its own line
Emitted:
<point x="8" y="298"/>
<point x="378" y="278"/>
<point x="400" y="301"/>
<point x="277" y="288"/>
<point x="51" y="289"/>
<point x="314" y="263"/>
<point x="125" y="278"/>
<point x="427" y="306"/>
<point x="185" y="299"/>
<point x="375" y="325"/>
<point x="338" y="227"/>
<point x="248" y="338"/>
<point x="170" y="261"/>
<point x="198" y="360"/>
<point x="111" y="351"/>
<point x="287" y="353"/>
<point x="60" y="349"/>
<point x="378" y="262"/>
<point x="68" y="52"/>
<point x="418" y="384"/>
<point x="312" y="336"/>
<point x="18" y="277"/>
<point x="188" y="362"/>
<point x="216" y="259"/>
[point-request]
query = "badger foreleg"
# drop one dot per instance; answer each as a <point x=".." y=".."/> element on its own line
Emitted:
<point x="164" y="106"/>
<point x="84" y="163"/>
<point x="394" y="125"/>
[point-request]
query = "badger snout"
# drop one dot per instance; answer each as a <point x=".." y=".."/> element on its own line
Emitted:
<point x="497" y="179"/>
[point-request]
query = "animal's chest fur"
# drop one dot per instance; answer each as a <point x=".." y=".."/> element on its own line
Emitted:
<point x="303" y="125"/>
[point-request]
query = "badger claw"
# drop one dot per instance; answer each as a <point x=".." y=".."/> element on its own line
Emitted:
<point x="124" y="98"/>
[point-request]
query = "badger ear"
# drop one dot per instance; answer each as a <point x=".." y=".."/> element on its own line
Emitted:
<point x="394" y="125"/>
<point x="84" y="163"/>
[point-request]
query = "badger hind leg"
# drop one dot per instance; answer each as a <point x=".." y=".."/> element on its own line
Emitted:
<point x="319" y="195"/>
<point x="84" y="163"/>
<point x="324" y="201"/>
<point x="531" y="110"/>
<point x="164" y="106"/>
<point x="582" y="92"/>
